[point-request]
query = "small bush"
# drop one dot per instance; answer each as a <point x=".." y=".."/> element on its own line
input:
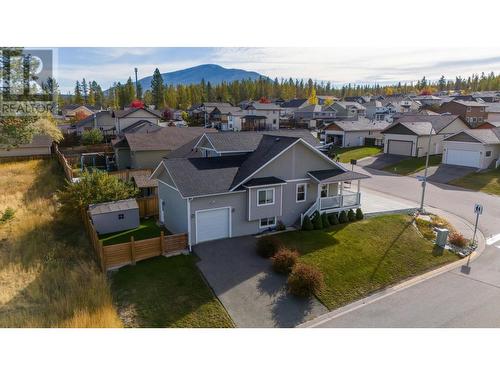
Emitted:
<point x="284" y="260"/>
<point x="317" y="222"/>
<point x="359" y="214"/>
<point x="333" y="219"/>
<point x="267" y="246"/>
<point x="351" y="215"/>
<point x="280" y="226"/>
<point x="343" y="218"/>
<point x="92" y="137"/>
<point x="306" y="224"/>
<point x="305" y="280"/>
<point x="324" y="220"/>
<point x="457" y="239"/>
<point x="7" y="215"/>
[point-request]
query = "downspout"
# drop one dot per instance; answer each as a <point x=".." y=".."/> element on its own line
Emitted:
<point x="188" y="200"/>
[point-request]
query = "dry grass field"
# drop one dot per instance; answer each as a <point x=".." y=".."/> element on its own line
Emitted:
<point x="48" y="277"/>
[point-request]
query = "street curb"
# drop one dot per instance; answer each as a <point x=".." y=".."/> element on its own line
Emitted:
<point x="386" y="292"/>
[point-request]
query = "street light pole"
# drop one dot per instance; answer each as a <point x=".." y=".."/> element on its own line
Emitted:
<point x="424" y="183"/>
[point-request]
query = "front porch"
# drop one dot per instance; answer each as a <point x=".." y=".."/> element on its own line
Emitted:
<point x="338" y="190"/>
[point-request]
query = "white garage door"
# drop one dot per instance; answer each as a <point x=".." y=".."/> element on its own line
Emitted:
<point x="399" y="147"/>
<point x="465" y="158"/>
<point x="212" y="224"/>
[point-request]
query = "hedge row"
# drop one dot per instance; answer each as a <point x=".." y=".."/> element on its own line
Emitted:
<point x="324" y="221"/>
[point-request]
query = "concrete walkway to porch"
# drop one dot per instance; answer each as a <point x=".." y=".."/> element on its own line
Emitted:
<point x="374" y="202"/>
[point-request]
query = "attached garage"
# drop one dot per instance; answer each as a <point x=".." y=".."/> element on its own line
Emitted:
<point x="464" y="158"/>
<point x="213" y="224"/>
<point x="395" y="147"/>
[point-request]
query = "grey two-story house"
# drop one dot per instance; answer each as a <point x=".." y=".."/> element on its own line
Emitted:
<point x="234" y="184"/>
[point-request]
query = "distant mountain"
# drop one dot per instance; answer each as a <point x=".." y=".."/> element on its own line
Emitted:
<point x="210" y="72"/>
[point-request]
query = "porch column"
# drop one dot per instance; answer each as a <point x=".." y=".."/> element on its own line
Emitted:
<point x="359" y="191"/>
<point x="341" y="193"/>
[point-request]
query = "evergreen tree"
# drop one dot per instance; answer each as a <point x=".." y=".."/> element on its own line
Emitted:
<point x="157" y="89"/>
<point x="77" y="98"/>
<point x="85" y="91"/>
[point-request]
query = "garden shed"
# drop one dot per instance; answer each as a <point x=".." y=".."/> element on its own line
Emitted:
<point x="115" y="216"/>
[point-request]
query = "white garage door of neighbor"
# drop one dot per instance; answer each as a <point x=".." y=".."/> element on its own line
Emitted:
<point x="400" y="147"/>
<point x="212" y="224"/>
<point x="465" y="158"/>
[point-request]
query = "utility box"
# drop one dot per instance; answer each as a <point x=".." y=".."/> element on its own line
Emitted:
<point x="441" y="237"/>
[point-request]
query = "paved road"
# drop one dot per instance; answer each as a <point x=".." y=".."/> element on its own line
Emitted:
<point x="452" y="299"/>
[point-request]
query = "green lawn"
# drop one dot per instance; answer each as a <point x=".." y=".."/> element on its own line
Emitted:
<point x="487" y="182"/>
<point x="362" y="257"/>
<point x="166" y="292"/>
<point x="413" y="165"/>
<point x="348" y="153"/>
<point x="147" y="229"/>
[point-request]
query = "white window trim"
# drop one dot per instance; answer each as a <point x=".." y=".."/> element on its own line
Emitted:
<point x="297" y="192"/>
<point x="266" y="204"/>
<point x="267" y="226"/>
<point x="486" y="154"/>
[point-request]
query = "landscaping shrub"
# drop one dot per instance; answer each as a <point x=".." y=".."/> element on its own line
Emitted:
<point x="306" y="224"/>
<point x="317" y="222"/>
<point x="351" y="215"/>
<point x="284" y="260"/>
<point x="7" y="215"/>
<point x="280" y="226"/>
<point x="267" y="246"/>
<point x="333" y="219"/>
<point x="426" y="229"/>
<point x="343" y="217"/>
<point x="92" y="137"/>
<point x="305" y="280"/>
<point x="324" y="220"/>
<point x="457" y="239"/>
<point x="359" y="214"/>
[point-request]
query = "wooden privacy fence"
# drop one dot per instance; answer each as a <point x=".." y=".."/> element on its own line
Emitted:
<point x="114" y="256"/>
<point x="148" y="206"/>
<point x="68" y="171"/>
<point x="126" y="174"/>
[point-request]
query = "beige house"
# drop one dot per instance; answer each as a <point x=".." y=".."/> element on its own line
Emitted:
<point x="355" y="133"/>
<point x="409" y="134"/>
<point x="131" y="116"/>
<point x="40" y="145"/>
<point x="478" y="148"/>
<point x="146" y="150"/>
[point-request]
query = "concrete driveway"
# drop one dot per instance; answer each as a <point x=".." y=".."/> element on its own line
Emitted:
<point x="444" y="173"/>
<point x="252" y="293"/>
<point x="381" y="161"/>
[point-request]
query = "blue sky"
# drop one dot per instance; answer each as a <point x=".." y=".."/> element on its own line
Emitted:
<point x="339" y="65"/>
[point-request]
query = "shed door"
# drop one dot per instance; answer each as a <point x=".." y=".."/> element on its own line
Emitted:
<point x="465" y="158"/>
<point x="399" y="147"/>
<point x="212" y="224"/>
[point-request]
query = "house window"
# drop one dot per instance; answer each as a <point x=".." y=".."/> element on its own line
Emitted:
<point x="479" y="119"/>
<point x="324" y="191"/>
<point x="469" y="109"/>
<point x="265" y="197"/>
<point x="301" y="192"/>
<point x="488" y="154"/>
<point x="267" y="222"/>
<point x="121" y="216"/>
<point x="274" y="121"/>
<point x="481" y="109"/>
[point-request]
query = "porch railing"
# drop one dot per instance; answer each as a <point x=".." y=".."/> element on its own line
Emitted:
<point x="338" y="201"/>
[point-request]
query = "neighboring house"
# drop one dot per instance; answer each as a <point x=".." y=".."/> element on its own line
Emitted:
<point x="358" y="99"/>
<point x="348" y="110"/>
<point x="493" y="111"/>
<point x="130" y="116"/>
<point x="219" y="117"/>
<point x="429" y="100"/>
<point x="115" y="216"/>
<point x="142" y="126"/>
<point x="473" y="112"/>
<point x="409" y="134"/>
<point x="39" y="145"/>
<point x="147" y="186"/>
<point x="233" y="121"/>
<point x="102" y="120"/>
<point x="322" y="99"/>
<point x="250" y="188"/>
<point x="201" y="112"/>
<point x="261" y="116"/>
<point x="289" y="107"/>
<point x="478" y="148"/>
<point x="487" y="96"/>
<point x="355" y="133"/>
<point x="314" y="115"/>
<point x="69" y="111"/>
<point x="145" y="150"/>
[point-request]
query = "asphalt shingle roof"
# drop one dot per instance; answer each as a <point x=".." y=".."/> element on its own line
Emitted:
<point x="336" y="175"/>
<point x="262" y="181"/>
<point x="438" y="123"/>
<point x="487" y="136"/>
<point x="362" y="124"/>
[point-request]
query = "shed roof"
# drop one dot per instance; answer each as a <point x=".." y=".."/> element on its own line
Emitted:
<point x="107" y="207"/>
